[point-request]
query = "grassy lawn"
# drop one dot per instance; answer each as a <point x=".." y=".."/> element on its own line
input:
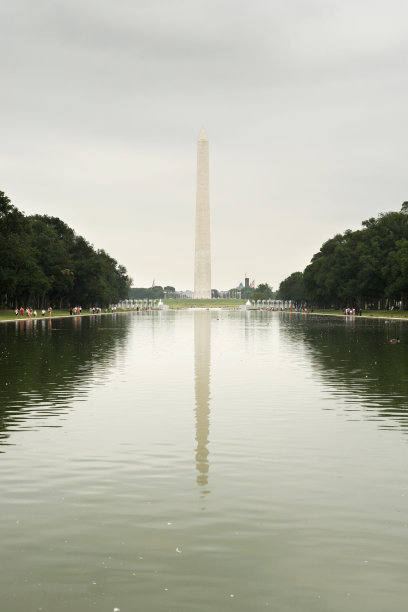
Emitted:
<point x="177" y="304"/>
<point x="389" y="314"/>
<point x="7" y="315"/>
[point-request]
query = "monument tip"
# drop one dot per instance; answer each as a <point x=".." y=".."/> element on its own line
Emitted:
<point x="203" y="134"/>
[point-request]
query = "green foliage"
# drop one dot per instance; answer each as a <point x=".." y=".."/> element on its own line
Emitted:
<point x="367" y="266"/>
<point x="169" y="288"/>
<point x="43" y="261"/>
<point x="266" y="290"/>
<point x="258" y="295"/>
<point x="262" y="292"/>
<point x="146" y="293"/>
<point x="246" y="294"/>
<point x="396" y="272"/>
<point x="293" y="288"/>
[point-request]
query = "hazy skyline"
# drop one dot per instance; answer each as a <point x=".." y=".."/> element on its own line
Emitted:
<point x="304" y="103"/>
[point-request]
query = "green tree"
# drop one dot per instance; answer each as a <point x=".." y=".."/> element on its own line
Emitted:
<point x="146" y="293"/>
<point x="53" y="256"/>
<point x="396" y="272"/>
<point x="293" y="288"/>
<point x="43" y="261"/>
<point x="157" y="292"/>
<point x="21" y="277"/>
<point x="246" y="294"/>
<point x="360" y="267"/>
<point x="262" y="292"/>
<point x="258" y="295"/>
<point x="266" y="290"/>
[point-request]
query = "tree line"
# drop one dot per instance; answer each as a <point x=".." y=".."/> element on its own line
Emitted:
<point x="44" y="262"/>
<point x="148" y="293"/>
<point x="366" y="268"/>
<point x="262" y="292"/>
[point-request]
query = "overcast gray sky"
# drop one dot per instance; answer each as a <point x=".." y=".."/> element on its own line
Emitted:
<point x="304" y="103"/>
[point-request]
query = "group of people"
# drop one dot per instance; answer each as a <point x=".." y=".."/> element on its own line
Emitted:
<point x="30" y="312"/>
<point x="98" y="310"/>
<point x="75" y="310"/>
<point x="352" y="311"/>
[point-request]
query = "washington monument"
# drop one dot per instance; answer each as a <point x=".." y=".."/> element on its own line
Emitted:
<point x="202" y="265"/>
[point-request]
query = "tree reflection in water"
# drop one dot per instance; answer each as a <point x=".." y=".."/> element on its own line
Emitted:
<point x="356" y="360"/>
<point x="45" y="363"/>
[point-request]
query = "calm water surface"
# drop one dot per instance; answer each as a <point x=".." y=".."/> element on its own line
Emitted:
<point x="203" y="461"/>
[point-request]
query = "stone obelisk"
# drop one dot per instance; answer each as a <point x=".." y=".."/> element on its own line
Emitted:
<point x="202" y="266"/>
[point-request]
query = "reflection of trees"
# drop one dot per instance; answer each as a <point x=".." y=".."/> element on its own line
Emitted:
<point x="44" y="363"/>
<point x="202" y="361"/>
<point x="355" y="358"/>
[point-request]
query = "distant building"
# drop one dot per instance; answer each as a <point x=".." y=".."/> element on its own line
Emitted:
<point x="178" y="295"/>
<point x="234" y="294"/>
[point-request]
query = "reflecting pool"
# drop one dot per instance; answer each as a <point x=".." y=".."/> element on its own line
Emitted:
<point x="204" y="460"/>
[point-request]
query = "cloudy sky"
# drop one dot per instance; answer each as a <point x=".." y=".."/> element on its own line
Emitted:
<point x="304" y="103"/>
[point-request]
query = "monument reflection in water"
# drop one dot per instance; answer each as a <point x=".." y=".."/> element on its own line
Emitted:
<point x="202" y="374"/>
